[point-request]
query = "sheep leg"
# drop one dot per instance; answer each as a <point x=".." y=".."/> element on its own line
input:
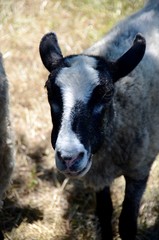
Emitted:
<point x="128" y="218"/>
<point x="1" y="235"/>
<point x="104" y="209"/>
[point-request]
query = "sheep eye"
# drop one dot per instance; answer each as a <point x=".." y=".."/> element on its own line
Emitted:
<point x="108" y="95"/>
<point x="98" y="109"/>
<point x="56" y="107"/>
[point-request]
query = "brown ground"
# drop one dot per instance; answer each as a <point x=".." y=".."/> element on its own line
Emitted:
<point x="41" y="204"/>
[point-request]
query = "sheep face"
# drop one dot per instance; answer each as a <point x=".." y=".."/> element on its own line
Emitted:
<point x="80" y="91"/>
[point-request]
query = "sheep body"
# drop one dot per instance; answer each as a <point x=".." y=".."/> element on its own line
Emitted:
<point x="6" y="140"/>
<point x="106" y="115"/>
<point x="134" y="143"/>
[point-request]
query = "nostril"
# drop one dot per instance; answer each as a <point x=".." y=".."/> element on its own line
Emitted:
<point x="81" y="155"/>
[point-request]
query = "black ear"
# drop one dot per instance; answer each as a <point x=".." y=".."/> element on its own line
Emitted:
<point x="50" y="51"/>
<point x="129" y="60"/>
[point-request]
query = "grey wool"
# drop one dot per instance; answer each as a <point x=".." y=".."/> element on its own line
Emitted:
<point x="134" y="142"/>
<point x="6" y="138"/>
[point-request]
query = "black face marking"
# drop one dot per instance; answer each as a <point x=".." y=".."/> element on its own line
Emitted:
<point x="88" y="123"/>
<point x="105" y="90"/>
<point x="100" y="105"/>
<point x="101" y="95"/>
<point x="56" y="107"/>
<point x="80" y="117"/>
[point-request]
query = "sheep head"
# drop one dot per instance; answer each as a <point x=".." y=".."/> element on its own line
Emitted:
<point x="80" y="93"/>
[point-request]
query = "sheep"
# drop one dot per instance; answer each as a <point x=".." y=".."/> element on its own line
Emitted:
<point x="105" y="115"/>
<point x="6" y="138"/>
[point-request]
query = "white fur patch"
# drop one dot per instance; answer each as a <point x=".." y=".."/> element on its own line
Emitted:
<point x="76" y="83"/>
<point x="69" y="145"/>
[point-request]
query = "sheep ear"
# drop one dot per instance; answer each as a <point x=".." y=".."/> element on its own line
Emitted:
<point x="129" y="60"/>
<point x="50" y="51"/>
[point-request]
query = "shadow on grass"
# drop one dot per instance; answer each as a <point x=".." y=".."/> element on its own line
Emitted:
<point x="51" y="175"/>
<point x="81" y="205"/>
<point x="150" y="233"/>
<point x="13" y="215"/>
<point x="80" y="212"/>
<point x="83" y="222"/>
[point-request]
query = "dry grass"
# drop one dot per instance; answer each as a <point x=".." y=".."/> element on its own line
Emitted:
<point x="41" y="204"/>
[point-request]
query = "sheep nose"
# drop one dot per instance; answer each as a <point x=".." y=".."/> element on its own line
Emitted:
<point x="63" y="157"/>
<point x="69" y="159"/>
